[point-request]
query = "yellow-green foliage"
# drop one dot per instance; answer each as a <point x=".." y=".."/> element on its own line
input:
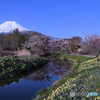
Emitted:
<point x="12" y="65"/>
<point x="89" y="81"/>
<point x="89" y="65"/>
<point x="80" y="59"/>
<point x="76" y="60"/>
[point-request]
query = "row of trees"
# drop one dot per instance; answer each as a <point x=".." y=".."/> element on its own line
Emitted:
<point x="40" y="44"/>
<point x="13" y="41"/>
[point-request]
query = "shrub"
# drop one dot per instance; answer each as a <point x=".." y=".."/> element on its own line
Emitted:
<point x="56" y="55"/>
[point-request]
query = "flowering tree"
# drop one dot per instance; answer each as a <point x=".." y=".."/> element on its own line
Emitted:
<point x="58" y="45"/>
<point x="92" y="43"/>
<point x="38" y="44"/>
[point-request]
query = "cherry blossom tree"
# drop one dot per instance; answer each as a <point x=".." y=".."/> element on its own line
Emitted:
<point x="92" y="43"/>
<point x="38" y="44"/>
<point x="58" y="45"/>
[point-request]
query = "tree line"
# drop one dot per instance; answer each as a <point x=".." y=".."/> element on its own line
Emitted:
<point x="40" y="44"/>
<point x="13" y="41"/>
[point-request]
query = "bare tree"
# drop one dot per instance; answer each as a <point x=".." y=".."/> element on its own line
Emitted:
<point x="1" y="42"/>
<point x="6" y="42"/>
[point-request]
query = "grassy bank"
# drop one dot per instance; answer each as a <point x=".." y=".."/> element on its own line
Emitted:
<point x="84" y="76"/>
<point x="12" y="66"/>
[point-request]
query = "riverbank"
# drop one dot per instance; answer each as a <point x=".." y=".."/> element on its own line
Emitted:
<point x="25" y="85"/>
<point x="13" y="66"/>
<point x="84" y="76"/>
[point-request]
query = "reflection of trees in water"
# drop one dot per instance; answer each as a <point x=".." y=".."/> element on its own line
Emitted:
<point x="9" y="80"/>
<point x="55" y="67"/>
<point x="40" y="75"/>
<point x="59" y="68"/>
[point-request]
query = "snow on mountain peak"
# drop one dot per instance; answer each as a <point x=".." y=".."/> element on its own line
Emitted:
<point x="9" y="26"/>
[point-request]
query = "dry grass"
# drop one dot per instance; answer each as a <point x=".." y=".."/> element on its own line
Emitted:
<point x="23" y="52"/>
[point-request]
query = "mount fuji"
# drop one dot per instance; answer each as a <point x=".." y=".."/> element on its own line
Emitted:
<point x="9" y="26"/>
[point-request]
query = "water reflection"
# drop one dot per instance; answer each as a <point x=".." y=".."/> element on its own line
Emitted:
<point x="53" y="68"/>
<point x="25" y="86"/>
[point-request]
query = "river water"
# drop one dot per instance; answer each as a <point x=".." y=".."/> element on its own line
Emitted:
<point x="25" y="86"/>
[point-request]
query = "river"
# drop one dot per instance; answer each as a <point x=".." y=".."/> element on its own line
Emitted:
<point x="25" y="86"/>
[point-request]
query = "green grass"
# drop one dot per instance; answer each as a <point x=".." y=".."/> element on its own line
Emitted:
<point x="70" y="75"/>
<point x="80" y="83"/>
<point x="41" y="92"/>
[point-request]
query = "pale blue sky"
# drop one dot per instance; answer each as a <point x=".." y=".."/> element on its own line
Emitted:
<point x="56" y="18"/>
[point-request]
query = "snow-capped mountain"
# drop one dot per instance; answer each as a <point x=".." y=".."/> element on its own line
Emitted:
<point x="9" y="26"/>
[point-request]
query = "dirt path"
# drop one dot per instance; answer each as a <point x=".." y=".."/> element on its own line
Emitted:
<point x="89" y="55"/>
